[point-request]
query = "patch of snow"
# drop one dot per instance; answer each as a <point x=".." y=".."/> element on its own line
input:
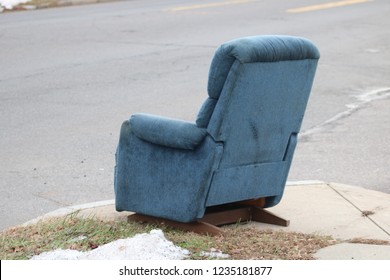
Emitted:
<point x="59" y="255"/>
<point x="9" y="4"/>
<point x="77" y="239"/>
<point x="145" y="246"/>
<point x="214" y="253"/>
<point x="152" y="246"/>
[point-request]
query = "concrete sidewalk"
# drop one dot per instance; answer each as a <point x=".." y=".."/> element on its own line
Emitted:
<point x="344" y="212"/>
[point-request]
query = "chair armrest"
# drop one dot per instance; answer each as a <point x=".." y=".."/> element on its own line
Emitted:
<point x="166" y="131"/>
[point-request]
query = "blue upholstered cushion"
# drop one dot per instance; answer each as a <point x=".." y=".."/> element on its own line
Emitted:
<point x="270" y="49"/>
<point x="166" y="131"/>
<point x="205" y="112"/>
<point x="256" y="49"/>
<point x="219" y="70"/>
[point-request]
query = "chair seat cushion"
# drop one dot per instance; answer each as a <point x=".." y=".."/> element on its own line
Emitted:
<point x="166" y="131"/>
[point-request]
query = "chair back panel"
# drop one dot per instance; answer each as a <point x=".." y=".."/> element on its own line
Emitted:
<point x="260" y="106"/>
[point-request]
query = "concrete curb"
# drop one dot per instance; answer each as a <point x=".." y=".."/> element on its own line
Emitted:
<point x="69" y="210"/>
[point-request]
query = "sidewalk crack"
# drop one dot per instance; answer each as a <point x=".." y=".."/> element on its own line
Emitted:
<point x="363" y="212"/>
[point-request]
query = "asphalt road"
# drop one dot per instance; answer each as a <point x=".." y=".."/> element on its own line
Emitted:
<point x="70" y="76"/>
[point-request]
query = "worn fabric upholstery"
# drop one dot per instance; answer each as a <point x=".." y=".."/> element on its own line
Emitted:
<point x="167" y="132"/>
<point x="241" y="144"/>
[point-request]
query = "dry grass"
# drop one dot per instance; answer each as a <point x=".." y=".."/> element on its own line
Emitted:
<point x="244" y="243"/>
<point x="83" y="234"/>
<point x="70" y="232"/>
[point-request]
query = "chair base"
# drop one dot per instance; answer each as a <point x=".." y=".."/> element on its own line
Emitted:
<point x="217" y="216"/>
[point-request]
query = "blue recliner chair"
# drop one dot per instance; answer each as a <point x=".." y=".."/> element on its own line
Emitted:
<point x="239" y="149"/>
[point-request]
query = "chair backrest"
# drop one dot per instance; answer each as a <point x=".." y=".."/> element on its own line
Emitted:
<point x="258" y="91"/>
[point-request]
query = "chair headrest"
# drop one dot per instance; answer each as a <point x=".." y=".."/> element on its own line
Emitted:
<point x="269" y="48"/>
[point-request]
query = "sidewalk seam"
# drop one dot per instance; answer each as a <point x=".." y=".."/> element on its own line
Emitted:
<point x="360" y="210"/>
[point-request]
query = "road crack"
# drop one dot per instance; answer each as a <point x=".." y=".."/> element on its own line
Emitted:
<point x="362" y="101"/>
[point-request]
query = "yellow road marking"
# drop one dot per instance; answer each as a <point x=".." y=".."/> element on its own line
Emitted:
<point x="326" y="6"/>
<point x="209" y="5"/>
